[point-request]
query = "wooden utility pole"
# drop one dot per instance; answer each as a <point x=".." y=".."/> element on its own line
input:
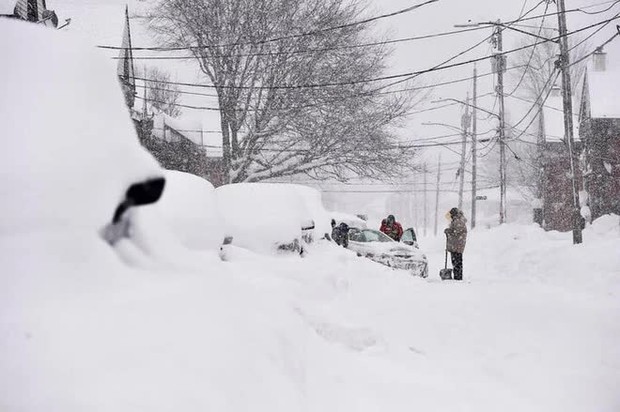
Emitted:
<point x="474" y="160"/>
<point x="500" y="61"/>
<point x="568" y="118"/>
<point x="437" y="195"/>
<point x="465" y="119"/>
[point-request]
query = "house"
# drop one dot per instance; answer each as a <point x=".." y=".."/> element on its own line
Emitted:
<point x="177" y="144"/>
<point x="556" y="185"/>
<point x="180" y="144"/>
<point x="599" y="119"/>
<point x="29" y="10"/>
<point x="125" y="67"/>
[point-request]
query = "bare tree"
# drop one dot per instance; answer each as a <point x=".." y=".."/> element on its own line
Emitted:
<point x="162" y="96"/>
<point x="295" y="95"/>
<point x="536" y="75"/>
<point x="538" y="63"/>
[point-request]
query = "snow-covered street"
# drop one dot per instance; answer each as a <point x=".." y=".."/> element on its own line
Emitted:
<point x="536" y="330"/>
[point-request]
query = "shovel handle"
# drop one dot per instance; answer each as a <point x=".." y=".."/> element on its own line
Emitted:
<point x="445" y="265"/>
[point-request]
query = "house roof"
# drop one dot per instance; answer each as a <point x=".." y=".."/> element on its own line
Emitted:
<point x="603" y="87"/>
<point x="190" y="129"/>
<point x="554" y="119"/>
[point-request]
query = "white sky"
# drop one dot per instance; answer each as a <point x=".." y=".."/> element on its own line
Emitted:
<point x="102" y="21"/>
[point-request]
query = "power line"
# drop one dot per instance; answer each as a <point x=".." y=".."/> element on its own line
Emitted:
<point x="401" y="190"/>
<point x="600" y="11"/>
<point x="550" y="80"/>
<point x="422" y="37"/>
<point x="290" y="36"/>
<point x="301" y="51"/>
<point x="529" y="61"/>
<point x="594" y="51"/>
<point x="557" y="74"/>
<point x="408" y="75"/>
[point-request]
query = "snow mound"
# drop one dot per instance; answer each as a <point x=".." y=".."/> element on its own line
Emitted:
<point x="188" y="209"/>
<point x="260" y="216"/>
<point x="70" y="148"/>
<point x="605" y="226"/>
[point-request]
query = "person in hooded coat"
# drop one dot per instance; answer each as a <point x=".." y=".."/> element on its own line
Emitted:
<point x="340" y="234"/>
<point x="392" y="228"/>
<point x="456" y="235"/>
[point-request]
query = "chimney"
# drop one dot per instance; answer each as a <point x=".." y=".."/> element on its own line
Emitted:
<point x="600" y="60"/>
<point x="556" y="91"/>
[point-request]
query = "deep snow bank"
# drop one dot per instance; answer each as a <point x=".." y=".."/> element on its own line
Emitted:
<point x="70" y="148"/>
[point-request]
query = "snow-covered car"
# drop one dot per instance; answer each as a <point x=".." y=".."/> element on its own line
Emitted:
<point x="71" y="163"/>
<point x="187" y="211"/>
<point x="350" y="220"/>
<point x="380" y="248"/>
<point x="271" y="217"/>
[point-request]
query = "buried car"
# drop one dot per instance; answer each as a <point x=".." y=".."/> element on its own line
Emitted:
<point x="380" y="248"/>
<point x="271" y="217"/>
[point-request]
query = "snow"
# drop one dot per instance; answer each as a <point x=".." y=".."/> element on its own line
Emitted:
<point x="532" y="328"/>
<point x="532" y="331"/>
<point x="349" y="219"/>
<point x="71" y="149"/>
<point x="188" y="209"/>
<point x="189" y="128"/>
<point x="7" y="6"/>
<point x="604" y="86"/>
<point x="260" y="216"/>
<point x="554" y="119"/>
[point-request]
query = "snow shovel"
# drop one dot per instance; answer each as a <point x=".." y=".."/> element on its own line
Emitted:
<point x="445" y="273"/>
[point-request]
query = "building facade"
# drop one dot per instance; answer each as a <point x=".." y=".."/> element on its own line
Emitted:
<point x="35" y="11"/>
<point x="599" y="119"/>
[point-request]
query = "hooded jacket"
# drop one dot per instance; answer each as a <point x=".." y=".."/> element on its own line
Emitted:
<point x="395" y="230"/>
<point x="457" y="232"/>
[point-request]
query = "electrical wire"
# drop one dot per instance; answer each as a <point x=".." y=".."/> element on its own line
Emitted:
<point x="600" y="11"/>
<point x="290" y="36"/>
<point x="407" y="76"/>
<point x="529" y="61"/>
<point x="423" y="37"/>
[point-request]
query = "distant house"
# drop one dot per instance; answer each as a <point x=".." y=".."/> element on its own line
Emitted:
<point x="176" y="144"/>
<point x="599" y="119"/>
<point x="180" y="145"/>
<point x="556" y="184"/>
<point x="125" y="67"/>
<point x="30" y="10"/>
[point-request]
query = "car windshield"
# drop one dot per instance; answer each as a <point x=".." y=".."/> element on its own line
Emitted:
<point x="368" y="235"/>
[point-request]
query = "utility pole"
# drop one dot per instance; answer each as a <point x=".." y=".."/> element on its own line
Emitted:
<point x="413" y="202"/>
<point x="437" y="194"/>
<point x="500" y="65"/>
<point x="425" y="202"/>
<point x="568" y="118"/>
<point x="474" y="161"/>
<point x="465" y="121"/>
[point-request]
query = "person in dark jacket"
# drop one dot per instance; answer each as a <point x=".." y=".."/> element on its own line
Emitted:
<point x="456" y="235"/>
<point x="392" y="228"/>
<point x="340" y="234"/>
